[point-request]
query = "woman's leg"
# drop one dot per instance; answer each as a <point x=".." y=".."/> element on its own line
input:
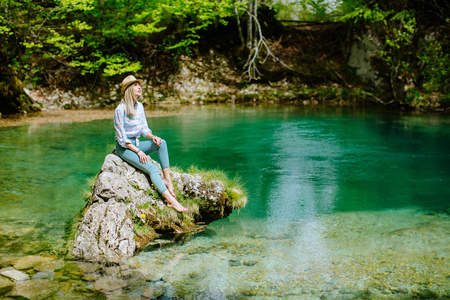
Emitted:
<point x="150" y="147"/>
<point x="172" y="202"/>
<point x="132" y="158"/>
<point x="168" y="181"/>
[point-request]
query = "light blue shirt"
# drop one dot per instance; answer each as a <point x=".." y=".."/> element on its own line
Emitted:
<point x="127" y="128"/>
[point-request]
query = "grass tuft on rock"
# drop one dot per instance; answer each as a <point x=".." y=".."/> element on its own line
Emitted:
<point x="234" y="187"/>
<point x="87" y="194"/>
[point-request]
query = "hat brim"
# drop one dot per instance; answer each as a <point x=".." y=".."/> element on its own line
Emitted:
<point x="124" y="87"/>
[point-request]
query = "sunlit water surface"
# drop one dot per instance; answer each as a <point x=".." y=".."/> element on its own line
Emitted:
<point x="338" y="198"/>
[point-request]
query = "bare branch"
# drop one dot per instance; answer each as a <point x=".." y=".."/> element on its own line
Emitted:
<point x="251" y="64"/>
<point x="376" y="98"/>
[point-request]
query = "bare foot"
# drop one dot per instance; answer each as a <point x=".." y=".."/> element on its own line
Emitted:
<point x="177" y="206"/>
<point x="169" y="186"/>
<point x="172" y="202"/>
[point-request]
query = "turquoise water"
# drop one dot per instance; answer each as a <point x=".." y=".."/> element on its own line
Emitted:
<point x="296" y="162"/>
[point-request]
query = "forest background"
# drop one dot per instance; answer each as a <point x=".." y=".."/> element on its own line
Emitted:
<point x="309" y="51"/>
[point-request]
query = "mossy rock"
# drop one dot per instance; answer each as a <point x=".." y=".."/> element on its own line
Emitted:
<point x="125" y="213"/>
<point x="13" y="98"/>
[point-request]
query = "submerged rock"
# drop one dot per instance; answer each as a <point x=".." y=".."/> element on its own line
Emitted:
<point x="125" y="213"/>
<point x="109" y="284"/>
<point x="14" y="274"/>
<point x="6" y="285"/>
<point x="31" y="261"/>
<point x="34" y="289"/>
<point x="44" y="275"/>
<point x="50" y="266"/>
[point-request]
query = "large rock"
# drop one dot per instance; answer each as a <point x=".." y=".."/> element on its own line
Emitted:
<point x="125" y="213"/>
<point x="106" y="233"/>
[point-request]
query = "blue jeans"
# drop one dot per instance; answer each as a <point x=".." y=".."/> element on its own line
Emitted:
<point x="148" y="147"/>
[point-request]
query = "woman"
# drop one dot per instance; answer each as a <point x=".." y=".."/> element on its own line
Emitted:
<point x="130" y="123"/>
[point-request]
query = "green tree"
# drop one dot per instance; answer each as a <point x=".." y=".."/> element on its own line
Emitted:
<point x="412" y="53"/>
<point x="54" y="41"/>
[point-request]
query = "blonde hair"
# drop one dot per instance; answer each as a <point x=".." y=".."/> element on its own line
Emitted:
<point x="129" y="101"/>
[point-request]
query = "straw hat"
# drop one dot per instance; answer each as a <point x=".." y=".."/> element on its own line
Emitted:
<point x="129" y="80"/>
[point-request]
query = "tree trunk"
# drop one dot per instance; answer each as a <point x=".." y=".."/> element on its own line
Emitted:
<point x="238" y="20"/>
<point x="250" y="25"/>
<point x="254" y="20"/>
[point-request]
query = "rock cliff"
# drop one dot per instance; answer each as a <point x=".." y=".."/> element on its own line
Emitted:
<point x="125" y="212"/>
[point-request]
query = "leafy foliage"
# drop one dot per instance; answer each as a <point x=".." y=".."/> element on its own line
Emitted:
<point x="313" y="10"/>
<point x="415" y="58"/>
<point x="56" y="40"/>
<point x="436" y="67"/>
<point x="72" y="42"/>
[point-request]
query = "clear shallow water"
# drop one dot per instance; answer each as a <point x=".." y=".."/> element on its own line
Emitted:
<point x="394" y="254"/>
<point x="321" y="183"/>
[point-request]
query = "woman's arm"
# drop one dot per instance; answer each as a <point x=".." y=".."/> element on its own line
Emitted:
<point x="121" y="136"/>
<point x="154" y="138"/>
<point x="119" y="125"/>
<point x="146" y="131"/>
<point x="143" y="158"/>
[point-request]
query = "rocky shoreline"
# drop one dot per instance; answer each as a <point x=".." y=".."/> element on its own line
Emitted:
<point x="199" y="80"/>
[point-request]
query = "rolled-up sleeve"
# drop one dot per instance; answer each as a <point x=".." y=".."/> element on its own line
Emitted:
<point x="119" y="125"/>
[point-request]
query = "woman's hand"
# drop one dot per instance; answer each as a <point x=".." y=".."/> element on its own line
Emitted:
<point x="143" y="158"/>
<point x="156" y="140"/>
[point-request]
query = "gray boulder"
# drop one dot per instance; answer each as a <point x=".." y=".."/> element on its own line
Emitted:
<point x="125" y="213"/>
<point x="105" y="234"/>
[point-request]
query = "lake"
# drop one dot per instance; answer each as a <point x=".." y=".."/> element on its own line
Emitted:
<point x="340" y="200"/>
